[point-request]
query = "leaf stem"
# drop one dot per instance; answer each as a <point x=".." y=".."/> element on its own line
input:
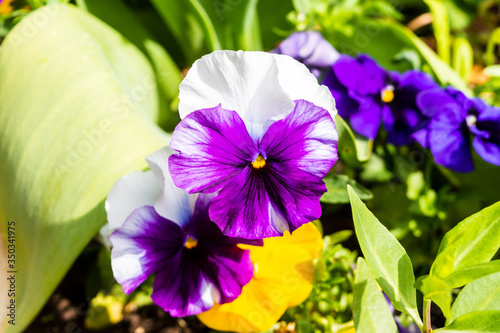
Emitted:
<point x="427" y="316"/>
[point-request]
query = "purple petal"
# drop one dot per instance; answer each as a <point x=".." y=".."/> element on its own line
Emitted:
<point x="450" y="145"/>
<point x="142" y="246"/>
<point x="344" y="103"/>
<point x="284" y="194"/>
<point x="432" y="101"/>
<point x="308" y="47"/>
<point x="367" y="120"/>
<point x="361" y="75"/>
<point x="214" y="146"/>
<point x="198" y="277"/>
<point x="488" y="149"/>
<point x="306" y="139"/>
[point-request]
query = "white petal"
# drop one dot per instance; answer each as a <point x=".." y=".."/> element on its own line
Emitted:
<point x="173" y="203"/>
<point x="246" y="82"/>
<point x="132" y="191"/>
<point x="299" y="83"/>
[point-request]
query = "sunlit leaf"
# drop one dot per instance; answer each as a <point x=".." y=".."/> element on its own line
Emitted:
<point x="386" y="258"/>
<point x="370" y="310"/>
<point x="337" y="189"/>
<point x="441" y="28"/>
<point x="352" y="149"/>
<point x="76" y="110"/>
<point x="437" y="290"/>
<point x="477" y="238"/>
<point x="481" y="294"/>
<point x="474" y="322"/>
<point x="465" y="275"/>
<point x="463" y="57"/>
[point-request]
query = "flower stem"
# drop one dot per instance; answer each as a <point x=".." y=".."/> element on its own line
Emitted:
<point x="427" y="316"/>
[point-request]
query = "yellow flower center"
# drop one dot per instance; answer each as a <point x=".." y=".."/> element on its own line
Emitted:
<point x="259" y="162"/>
<point x="387" y="94"/>
<point x="191" y="243"/>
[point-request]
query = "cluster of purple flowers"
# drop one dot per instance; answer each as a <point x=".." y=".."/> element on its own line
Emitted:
<point x="411" y="107"/>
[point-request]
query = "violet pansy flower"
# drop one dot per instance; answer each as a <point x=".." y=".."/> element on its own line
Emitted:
<point x="257" y="129"/>
<point x="311" y="49"/>
<point x="163" y="230"/>
<point x="368" y="95"/>
<point x="454" y="118"/>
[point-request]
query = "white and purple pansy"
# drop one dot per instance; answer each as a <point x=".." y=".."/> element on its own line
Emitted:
<point x="258" y="130"/>
<point x="163" y="230"/>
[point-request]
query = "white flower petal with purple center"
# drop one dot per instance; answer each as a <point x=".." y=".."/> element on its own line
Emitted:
<point x="163" y="230"/>
<point x="257" y="129"/>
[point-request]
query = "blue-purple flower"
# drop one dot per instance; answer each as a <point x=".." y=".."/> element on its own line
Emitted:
<point x="163" y="230"/>
<point x="311" y="49"/>
<point x="453" y="119"/>
<point x="257" y="129"/>
<point x="368" y="95"/>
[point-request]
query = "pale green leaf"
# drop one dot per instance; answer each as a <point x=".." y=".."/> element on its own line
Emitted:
<point x="437" y="290"/>
<point x="477" y="238"/>
<point x="371" y="312"/>
<point x="481" y="294"/>
<point x="494" y="40"/>
<point x="474" y="322"/>
<point x="77" y="102"/>
<point x="463" y="57"/>
<point x="441" y="26"/>
<point x="493" y="70"/>
<point x="337" y="189"/>
<point x="465" y="275"/>
<point x="386" y="258"/>
<point x="352" y="149"/>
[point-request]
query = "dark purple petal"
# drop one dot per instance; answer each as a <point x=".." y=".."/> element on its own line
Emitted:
<point x="213" y="145"/>
<point x="142" y="246"/>
<point x="284" y="194"/>
<point x="449" y="142"/>
<point x="344" y="103"/>
<point x="367" y="120"/>
<point x="488" y="149"/>
<point x="198" y="277"/>
<point x="361" y="75"/>
<point x="306" y="139"/>
<point x="432" y="101"/>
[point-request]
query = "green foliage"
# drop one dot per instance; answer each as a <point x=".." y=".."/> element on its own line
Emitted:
<point x="370" y="310"/>
<point x="441" y="28"/>
<point x="329" y="306"/>
<point x="481" y="294"/>
<point x="337" y="189"/>
<point x="478" y="321"/>
<point x="64" y="145"/>
<point x="386" y="258"/>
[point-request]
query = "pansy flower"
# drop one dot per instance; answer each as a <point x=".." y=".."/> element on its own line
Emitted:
<point x="311" y="49"/>
<point x="368" y="95"/>
<point x="163" y="230"/>
<point x="454" y="118"/>
<point x="283" y="277"/>
<point x="257" y="129"/>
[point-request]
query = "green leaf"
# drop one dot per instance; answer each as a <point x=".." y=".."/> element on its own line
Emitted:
<point x="71" y="126"/>
<point x="463" y="57"/>
<point x="493" y="70"/>
<point x="168" y="76"/>
<point x="481" y="294"/>
<point x="386" y="258"/>
<point x="465" y="275"/>
<point x="489" y="55"/>
<point x="337" y="189"/>
<point x="371" y="312"/>
<point x="437" y="290"/>
<point x="352" y="149"/>
<point x="474" y="322"/>
<point x="191" y="26"/>
<point x="441" y="27"/>
<point x="477" y="238"/>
